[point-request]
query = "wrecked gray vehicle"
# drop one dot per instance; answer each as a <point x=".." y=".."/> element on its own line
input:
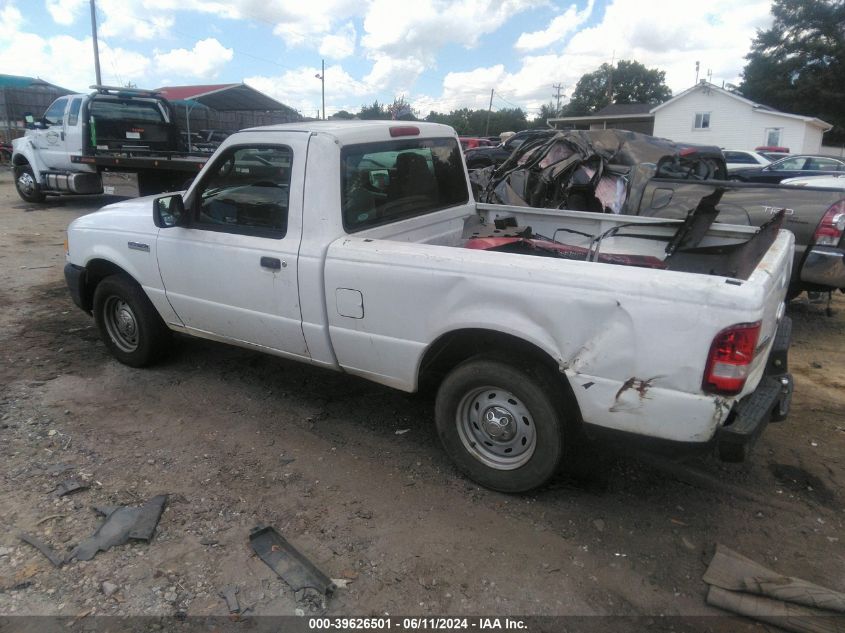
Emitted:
<point x="591" y="170"/>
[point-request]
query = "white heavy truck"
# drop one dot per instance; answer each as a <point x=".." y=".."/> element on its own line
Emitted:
<point x="118" y="141"/>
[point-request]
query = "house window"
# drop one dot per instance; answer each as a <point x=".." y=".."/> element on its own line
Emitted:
<point x="773" y="136"/>
<point x="702" y="121"/>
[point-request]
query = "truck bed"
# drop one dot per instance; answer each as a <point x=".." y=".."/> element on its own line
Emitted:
<point x="606" y="325"/>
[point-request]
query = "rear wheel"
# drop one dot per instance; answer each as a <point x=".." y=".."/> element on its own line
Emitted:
<point x="129" y="324"/>
<point x="26" y="184"/>
<point x="501" y="423"/>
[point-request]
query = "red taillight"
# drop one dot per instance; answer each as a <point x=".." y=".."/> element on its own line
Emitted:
<point x="730" y="357"/>
<point x="404" y="130"/>
<point x="830" y="229"/>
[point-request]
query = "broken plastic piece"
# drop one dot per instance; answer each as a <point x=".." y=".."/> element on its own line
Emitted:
<point x="122" y="523"/>
<point x="68" y="486"/>
<point x="230" y="594"/>
<point x="288" y="562"/>
<point x="54" y="557"/>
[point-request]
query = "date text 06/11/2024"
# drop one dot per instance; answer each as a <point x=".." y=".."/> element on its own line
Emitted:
<point x="417" y="624"/>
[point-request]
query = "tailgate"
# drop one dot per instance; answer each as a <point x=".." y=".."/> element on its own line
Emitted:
<point x="770" y="281"/>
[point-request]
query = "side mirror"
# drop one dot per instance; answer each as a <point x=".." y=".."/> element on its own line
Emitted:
<point x="169" y="211"/>
<point x="29" y="120"/>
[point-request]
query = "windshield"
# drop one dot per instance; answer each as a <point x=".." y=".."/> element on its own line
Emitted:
<point x="136" y="110"/>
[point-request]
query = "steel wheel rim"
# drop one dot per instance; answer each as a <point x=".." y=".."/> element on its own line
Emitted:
<point x="121" y="323"/>
<point x="26" y="183"/>
<point x="496" y="428"/>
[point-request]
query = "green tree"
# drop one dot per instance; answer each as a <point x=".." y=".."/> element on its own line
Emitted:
<point x="375" y="111"/>
<point x="342" y="115"/>
<point x="628" y="82"/>
<point x="547" y="111"/>
<point x="474" y="122"/>
<point x="401" y="110"/>
<point x="798" y="65"/>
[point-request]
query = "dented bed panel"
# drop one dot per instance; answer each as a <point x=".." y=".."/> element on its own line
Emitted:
<point x="641" y="406"/>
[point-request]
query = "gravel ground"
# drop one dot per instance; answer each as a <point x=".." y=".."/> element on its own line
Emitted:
<point x="353" y="475"/>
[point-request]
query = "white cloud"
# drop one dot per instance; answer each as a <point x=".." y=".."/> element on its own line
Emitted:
<point x="341" y="44"/>
<point x="67" y="61"/>
<point x="403" y="44"/>
<point x="669" y="37"/>
<point x="130" y="19"/>
<point x="300" y="89"/>
<point x="424" y="26"/>
<point x="11" y="19"/>
<point x="203" y="60"/>
<point x="394" y="74"/>
<point x="65" y="12"/>
<point x="561" y="26"/>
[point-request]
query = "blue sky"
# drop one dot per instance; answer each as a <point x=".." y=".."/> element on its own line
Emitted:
<point x="438" y="54"/>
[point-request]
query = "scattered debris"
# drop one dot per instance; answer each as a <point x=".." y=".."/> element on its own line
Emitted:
<point x="291" y="565"/>
<point x="52" y="555"/>
<point x="230" y="594"/>
<point x="599" y="525"/>
<point x="48" y="518"/>
<point x="68" y="486"/>
<point x="122" y="523"/>
<point x="341" y="583"/>
<point x="109" y="589"/>
<point x="402" y="431"/>
<point x="740" y="585"/>
<point x="57" y="469"/>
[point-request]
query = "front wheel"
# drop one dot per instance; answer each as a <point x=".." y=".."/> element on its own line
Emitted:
<point x="129" y="324"/>
<point x="501" y="424"/>
<point x="26" y="185"/>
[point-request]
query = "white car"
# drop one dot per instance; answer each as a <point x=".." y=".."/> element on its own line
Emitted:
<point x="833" y="182"/>
<point x="740" y="159"/>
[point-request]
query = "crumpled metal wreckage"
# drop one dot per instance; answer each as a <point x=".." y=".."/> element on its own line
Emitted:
<point x="597" y="170"/>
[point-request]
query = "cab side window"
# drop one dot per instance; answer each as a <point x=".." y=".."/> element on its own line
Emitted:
<point x="56" y="112"/>
<point x="247" y="191"/>
<point x="73" y="112"/>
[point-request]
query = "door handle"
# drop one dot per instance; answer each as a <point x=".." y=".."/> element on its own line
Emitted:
<point x="272" y="263"/>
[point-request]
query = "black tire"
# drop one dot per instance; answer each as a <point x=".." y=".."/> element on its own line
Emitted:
<point x="129" y="325"/>
<point x="508" y="391"/>
<point x="26" y="185"/>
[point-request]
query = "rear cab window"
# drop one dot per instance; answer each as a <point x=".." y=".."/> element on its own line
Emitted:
<point x="392" y="180"/>
<point x="108" y="109"/>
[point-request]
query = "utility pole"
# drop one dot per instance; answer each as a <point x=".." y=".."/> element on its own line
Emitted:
<point x="94" y="37"/>
<point x="322" y="78"/>
<point x="489" y="110"/>
<point x="558" y="88"/>
<point x="697" y="67"/>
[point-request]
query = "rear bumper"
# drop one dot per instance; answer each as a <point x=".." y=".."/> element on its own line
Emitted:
<point x="824" y="266"/>
<point x="769" y="402"/>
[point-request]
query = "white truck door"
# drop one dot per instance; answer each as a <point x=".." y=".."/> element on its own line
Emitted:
<point x="73" y="134"/>
<point x="51" y="140"/>
<point x="233" y="271"/>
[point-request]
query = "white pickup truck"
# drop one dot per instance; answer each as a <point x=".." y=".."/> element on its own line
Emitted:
<point x="357" y="246"/>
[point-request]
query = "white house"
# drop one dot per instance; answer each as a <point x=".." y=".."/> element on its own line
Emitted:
<point x="707" y="114"/>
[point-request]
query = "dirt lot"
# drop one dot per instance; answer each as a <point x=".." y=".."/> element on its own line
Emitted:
<point x="352" y="473"/>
